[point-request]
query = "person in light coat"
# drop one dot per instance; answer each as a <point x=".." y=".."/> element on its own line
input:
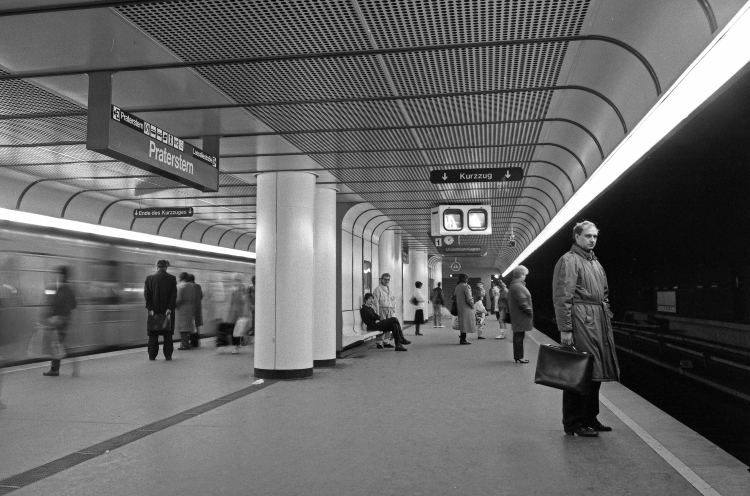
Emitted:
<point x="480" y="312"/>
<point x="385" y="306"/>
<point x="467" y="323"/>
<point x="581" y="300"/>
<point x="501" y="307"/>
<point x="521" y="311"/>
<point x="418" y="301"/>
<point x="185" y="310"/>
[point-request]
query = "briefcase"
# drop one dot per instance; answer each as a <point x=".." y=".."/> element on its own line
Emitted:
<point x="564" y="367"/>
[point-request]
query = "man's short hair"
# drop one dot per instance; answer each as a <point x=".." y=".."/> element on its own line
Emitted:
<point x="519" y="271"/>
<point x="463" y="277"/>
<point x="385" y="274"/>
<point x="368" y="296"/>
<point x="582" y="226"/>
<point x="162" y="264"/>
<point x="183" y="276"/>
<point x="418" y="284"/>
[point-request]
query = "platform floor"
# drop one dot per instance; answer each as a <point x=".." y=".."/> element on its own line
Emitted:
<point x="440" y="419"/>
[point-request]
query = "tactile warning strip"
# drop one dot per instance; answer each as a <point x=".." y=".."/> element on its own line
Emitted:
<point x="18" y="481"/>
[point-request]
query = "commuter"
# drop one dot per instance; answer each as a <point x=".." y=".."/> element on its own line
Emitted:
<point x="238" y="309"/>
<point x="62" y="302"/>
<point x="185" y="311"/>
<point x="521" y="311"/>
<point x="465" y="304"/>
<point x="581" y="300"/>
<point x="501" y="308"/>
<point x="437" y="306"/>
<point x="196" y="335"/>
<point x="418" y="300"/>
<point x="251" y="302"/>
<point x="385" y="305"/>
<point x="480" y="311"/>
<point x="160" y="292"/>
<point x="374" y="322"/>
<point x="481" y="293"/>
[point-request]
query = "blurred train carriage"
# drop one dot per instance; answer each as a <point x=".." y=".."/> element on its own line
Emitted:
<point x="107" y="276"/>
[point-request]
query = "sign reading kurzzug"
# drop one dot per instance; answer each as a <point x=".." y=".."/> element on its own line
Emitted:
<point x="163" y="212"/>
<point x="143" y="145"/>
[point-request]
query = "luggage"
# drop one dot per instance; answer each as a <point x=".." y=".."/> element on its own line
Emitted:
<point x="159" y="322"/>
<point x="224" y="334"/>
<point x="564" y="367"/>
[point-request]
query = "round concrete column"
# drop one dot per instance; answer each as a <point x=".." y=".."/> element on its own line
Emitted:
<point x="324" y="303"/>
<point x="285" y="278"/>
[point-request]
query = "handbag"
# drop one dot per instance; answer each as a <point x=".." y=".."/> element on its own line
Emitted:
<point x="241" y="327"/>
<point x="159" y="322"/>
<point x="456" y="325"/>
<point x="44" y="343"/>
<point x="454" y="308"/>
<point x="564" y="367"/>
<point x="414" y="301"/>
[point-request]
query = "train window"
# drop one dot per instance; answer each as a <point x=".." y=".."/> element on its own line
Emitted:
<point x="453" y="219"/>
<point x="477" y="219"/>
<point x="32" y="285"/>
<point x="9" y="289"/>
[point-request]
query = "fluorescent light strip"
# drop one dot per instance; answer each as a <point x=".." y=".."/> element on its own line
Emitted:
<point x="111" y="232"/>
<point x="726" y="55"/>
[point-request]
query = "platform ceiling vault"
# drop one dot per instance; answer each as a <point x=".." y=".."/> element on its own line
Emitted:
<point x="373" y="95"/>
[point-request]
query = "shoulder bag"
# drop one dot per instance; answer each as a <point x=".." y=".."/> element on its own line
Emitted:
<point x="564" y="367"/>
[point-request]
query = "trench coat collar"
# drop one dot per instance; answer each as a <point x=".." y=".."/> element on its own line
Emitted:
<point x="588" y="255"/>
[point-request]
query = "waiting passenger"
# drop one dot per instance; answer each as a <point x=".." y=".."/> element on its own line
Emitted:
<point x="465" y="304"/>
<point x="196" y="336"/>
<point x="62" y="301"/>
<point x="374" y="323"/>
<point x="521" y="311"/>
<point x="501" y="307"/>
<point x="385" y="306"/>
<point x="238" y="308"/>
<point x="581" y="299"/>
<point x="418" y="300"/>
<point x="479" y="312"/>
<point x="160" y="292"/>
<point x="185" y="311"/>
<point x="437" y="306"/>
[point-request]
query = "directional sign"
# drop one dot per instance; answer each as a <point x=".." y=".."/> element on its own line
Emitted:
<point x="476" y="175"/>
<point x="163" y="212"/>
<point x="464" y="251"/>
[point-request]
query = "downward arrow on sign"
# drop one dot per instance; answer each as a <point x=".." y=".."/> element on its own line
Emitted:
<point x="445" y="177"/>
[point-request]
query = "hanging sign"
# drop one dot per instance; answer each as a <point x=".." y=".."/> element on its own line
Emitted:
<point x="139" y="143"/>
<point x="446" y="176"/>
<point x="163" y="212"/>
<point x="464" y="251"/>
<point x="455" y="266"/>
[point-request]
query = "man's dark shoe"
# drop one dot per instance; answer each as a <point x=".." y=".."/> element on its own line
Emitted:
<point x="480" y="337"/>
<point x="387" y="345"/>
<point x="401" y="348"/>
<point x="168" y="358"/>
<point x="418" y="334"/>
<point x="464" y="342"/>
<point x="598" y="427"/>
<point x="152" y="358"/>
<point x="405" y="341"/>
<point x="52" y="373"/>
<point x="582" y="431"/>
<point x="379" y="346"/>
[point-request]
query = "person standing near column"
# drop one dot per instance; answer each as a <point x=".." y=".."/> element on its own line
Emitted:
<point x="521" y="311"/>
<point x="160" y="292"/>
<point x="62" y="301"/>
<point x="385" y="306"/>
<point x="418" y="300"/>
<point x="581" y="300"/>
<point x="437" y="306"/>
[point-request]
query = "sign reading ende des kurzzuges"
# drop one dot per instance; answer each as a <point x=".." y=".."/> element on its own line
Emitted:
<point x="139" y="143"/>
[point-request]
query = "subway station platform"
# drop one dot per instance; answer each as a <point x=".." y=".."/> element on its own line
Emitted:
<point x="439" y="419"/>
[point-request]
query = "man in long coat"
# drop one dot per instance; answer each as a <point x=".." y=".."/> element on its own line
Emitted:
<point x="580" y="294"/>
<point x="160" y="291"/>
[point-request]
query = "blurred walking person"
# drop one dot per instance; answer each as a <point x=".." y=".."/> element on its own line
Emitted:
<point x="467" y="323"/>
<point x="501" y="307"/>
<point x="196" y="335"/>
<point x="185" y="311"/>
<point x="61" y="303"/>
<point x="418" y="300"/>
<point x="521" y="311"/>
<point x="238" y="309"/>
<point x="437" y="306"/>
<point x="160" y="292"/>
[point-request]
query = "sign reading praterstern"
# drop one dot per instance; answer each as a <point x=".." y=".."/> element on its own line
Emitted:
<point x="143" y="145"/>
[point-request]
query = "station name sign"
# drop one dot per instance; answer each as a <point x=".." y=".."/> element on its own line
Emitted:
<point x="464" y="251"/>
<point x="139" y="143"/>
<point x="447" y="176"/>
<point x="163" y="212"/>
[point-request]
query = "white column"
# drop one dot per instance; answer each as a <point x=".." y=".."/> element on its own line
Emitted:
<point x="284" y="275"/>
<point x="324" y="298"/>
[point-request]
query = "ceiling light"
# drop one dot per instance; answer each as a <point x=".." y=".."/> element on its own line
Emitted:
<point x="724" y="57"/>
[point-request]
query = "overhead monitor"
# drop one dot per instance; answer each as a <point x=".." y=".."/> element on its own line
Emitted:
<point x="461" y="219"/>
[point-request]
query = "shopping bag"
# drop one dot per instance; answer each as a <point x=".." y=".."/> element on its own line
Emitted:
<point x="455" y="324"/>
<point x="241" y="327"/>
<point x="564" y="367"/>
<point x="44" y="343"/>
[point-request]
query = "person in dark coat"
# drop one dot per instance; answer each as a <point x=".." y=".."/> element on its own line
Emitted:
<point x="467" y="323"/>
<point x="581" y="300"/>
<point x="184" y="315"/>
<point x="195" y="336"/>
<point x="62" y="302"/>
<point x="374" y="323"/>
<point x="521" y="311"/>
<point x="160" y="292"/>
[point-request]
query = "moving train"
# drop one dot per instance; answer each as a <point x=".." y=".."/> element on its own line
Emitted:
<point x="107" y="276"/>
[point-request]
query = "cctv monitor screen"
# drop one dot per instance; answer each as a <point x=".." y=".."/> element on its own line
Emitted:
<point x="477" y="220"/>
<point x="453" y="220"/>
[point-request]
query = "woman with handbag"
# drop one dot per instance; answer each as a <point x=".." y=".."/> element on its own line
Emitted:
<point x="417" y="299"/>
<point x="521" y="311"/>
<point x="466" y="317"/>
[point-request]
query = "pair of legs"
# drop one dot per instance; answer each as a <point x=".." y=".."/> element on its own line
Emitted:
<point x="580" y="410"/>
<point x="500" y="314"/>
<point x="392" y="326"/>
<point x="153" y="345"/>
<point x="185" y="340"/>
<point x="518" y="338"/>
<point x="54" y="366"/>
<point x="437" y="315"/>
<point x="418" y="320"/>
